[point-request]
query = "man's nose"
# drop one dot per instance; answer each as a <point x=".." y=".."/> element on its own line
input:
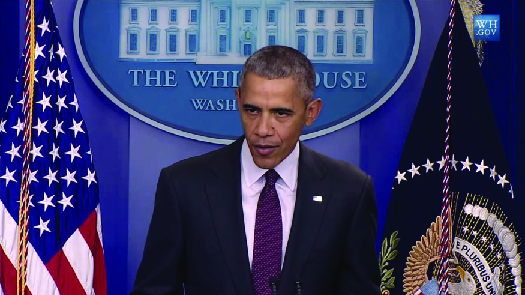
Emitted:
<point x="264" y="126"/>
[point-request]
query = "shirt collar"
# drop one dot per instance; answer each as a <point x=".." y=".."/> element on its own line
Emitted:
<point x="287" y="169"/>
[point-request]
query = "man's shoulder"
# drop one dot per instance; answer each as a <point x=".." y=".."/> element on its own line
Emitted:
<point x="201" y="164"/>
<point x="338" y="169"/>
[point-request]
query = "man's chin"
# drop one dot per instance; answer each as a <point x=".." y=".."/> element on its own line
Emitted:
<point x="265" y="163"/>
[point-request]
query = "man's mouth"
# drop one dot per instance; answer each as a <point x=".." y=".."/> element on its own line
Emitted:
<point x="264" y="150"/>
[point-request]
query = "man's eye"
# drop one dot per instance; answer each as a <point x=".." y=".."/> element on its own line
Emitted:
<point x="282" y="114"/>
<point x="252" y="111"/>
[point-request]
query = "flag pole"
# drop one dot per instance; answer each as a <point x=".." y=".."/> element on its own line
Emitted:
<point x="29" y="86"/>
<point x="446" y="241"/>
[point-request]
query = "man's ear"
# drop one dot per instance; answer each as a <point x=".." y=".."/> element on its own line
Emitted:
<point x="312" y="111"/>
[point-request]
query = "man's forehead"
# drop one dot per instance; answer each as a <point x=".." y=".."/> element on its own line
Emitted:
<point x="255" y="76"/>
<point x="262" y="84"/>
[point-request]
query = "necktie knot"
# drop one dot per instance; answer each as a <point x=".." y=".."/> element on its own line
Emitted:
<point x="271" y="177"/>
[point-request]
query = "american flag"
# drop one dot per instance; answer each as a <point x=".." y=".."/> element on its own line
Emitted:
<point x="64" y="253"/>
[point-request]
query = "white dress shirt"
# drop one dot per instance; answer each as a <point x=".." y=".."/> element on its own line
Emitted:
<point x="252" y="184"/>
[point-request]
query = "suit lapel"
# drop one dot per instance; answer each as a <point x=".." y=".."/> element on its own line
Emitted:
<point x="307" y="218"/>
<point x="225" y="200"/>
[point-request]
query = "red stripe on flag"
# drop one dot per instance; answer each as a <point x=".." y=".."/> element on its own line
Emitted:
<point x="8" y="275"/>
<point x="89" y="231"/>
<point x="99" y="279"/>
<point x="90" y="234"/>
<point x="64" y="275"/>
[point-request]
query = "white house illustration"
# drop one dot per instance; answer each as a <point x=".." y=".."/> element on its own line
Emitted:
<point x="228" y="31"/>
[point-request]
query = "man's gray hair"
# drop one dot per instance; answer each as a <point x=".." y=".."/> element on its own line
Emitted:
<point x="278" y="62"/>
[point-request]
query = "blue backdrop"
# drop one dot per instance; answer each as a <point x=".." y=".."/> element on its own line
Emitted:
<point x="128" y="154"/>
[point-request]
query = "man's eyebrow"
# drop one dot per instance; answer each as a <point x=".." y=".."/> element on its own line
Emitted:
<point x="282" y="110"/>
<point x="250" y="106"/>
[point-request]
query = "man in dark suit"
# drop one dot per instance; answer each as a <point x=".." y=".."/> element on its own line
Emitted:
<point x="264" y="215"/>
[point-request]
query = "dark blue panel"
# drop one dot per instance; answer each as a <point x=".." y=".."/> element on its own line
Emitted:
<point x="497" y="70"/>
<point x="500" y="70"/>
<point x="519" y="155"/>
<point x="9" y="49"/>
<point x="384" y="131"/>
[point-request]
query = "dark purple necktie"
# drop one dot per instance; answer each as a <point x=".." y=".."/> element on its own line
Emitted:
<point x="268" y="237"/>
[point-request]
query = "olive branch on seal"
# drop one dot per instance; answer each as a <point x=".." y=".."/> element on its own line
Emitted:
<point x="388" y="252"/>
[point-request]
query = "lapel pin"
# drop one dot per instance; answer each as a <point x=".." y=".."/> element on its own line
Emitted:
<point x="318" y="198"/>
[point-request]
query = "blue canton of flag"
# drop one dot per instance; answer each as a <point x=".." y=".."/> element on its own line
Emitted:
<point x="65" y="253"/>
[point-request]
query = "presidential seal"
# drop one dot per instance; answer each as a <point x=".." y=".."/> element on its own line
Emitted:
<point x="485" y="254"/>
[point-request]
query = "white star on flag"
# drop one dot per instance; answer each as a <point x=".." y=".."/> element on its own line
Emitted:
<point x="49" y="76"/>
<point x="73" y="152"/>
<point x="22" y="101"/>
<point x="61" y="77"/>
<point x="66" y="201"/>
<point x="442" y="163"/>
<point x="18" y="127"/>
<point x="90" y="177"/>
<point x="30" y="201"/>
<point x="493" y="173"/>
<point x="77" y="127"/>
<point x="9" y="105"/>
<point x="43" y="226"/>
<point x="466" y="164"/>
<point x="38" y="51"/>
<point x="481" y="167"/>
<point x="429" y="165"/>
<point x="14" y="152"/>
<point x="58" y="128"/>
<point x="414" y="170"/>
<point x="51" y="176"/>
<point x="50" y="53"/>
<point x="54" y="152"/>
<point x="454" y="163"/>
<point x="47" y="201"/>
<point x="502" y="180"/>
<point x="70" y="177"/>
<point x="75" y="102"/>
<point x="8" y="176"/>
<point x="400" y="177"/>
<point x="44" y="26"/>
<point x="61" y="52"/>
<point x="61" y="103"/>
<point x="32" y="176"/>
<point x="45" y="102"/>
<point x="2" y="126"/>
<point x="40" y="127"/>
<point x="35" y="151"/>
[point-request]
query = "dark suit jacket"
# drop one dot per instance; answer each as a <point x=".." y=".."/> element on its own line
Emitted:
<point x="197" y="242"/>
